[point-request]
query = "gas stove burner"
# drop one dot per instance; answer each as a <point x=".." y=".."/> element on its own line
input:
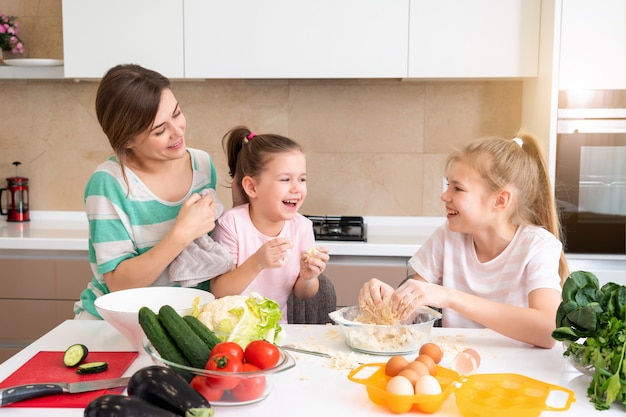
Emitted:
<point x="339" y="228"/>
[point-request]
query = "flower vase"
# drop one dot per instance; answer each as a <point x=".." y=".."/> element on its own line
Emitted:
<point x="4" y="55"/>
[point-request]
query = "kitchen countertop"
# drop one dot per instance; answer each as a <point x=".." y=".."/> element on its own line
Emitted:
<point x="314" y="387"/>
<point x="64" y="234"/>
<point x="68" y="231"/>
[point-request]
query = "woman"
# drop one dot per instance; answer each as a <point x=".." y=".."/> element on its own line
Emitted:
<point x="143" y="204"/>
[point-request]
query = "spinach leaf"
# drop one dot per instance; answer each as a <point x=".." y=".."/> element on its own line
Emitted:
<point x="592" y="320"/>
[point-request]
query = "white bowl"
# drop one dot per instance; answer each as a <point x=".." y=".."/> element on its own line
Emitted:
<point x="120" y="308"/>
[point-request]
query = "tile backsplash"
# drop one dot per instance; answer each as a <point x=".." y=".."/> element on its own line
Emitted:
<point x="374" y="147"/>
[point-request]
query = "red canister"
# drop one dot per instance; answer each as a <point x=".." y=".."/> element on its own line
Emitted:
<point x="17" y="198"/>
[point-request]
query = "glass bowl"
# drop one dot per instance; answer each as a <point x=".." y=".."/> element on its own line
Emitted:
<point x="378" y="339"/>
<point x="252" y="386"/>
<point x="575" y="358"/>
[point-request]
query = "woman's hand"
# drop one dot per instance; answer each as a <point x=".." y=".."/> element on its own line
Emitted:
<point x="373" y="293"/>
<point x="196" y="217"/>
<point x="313" y="262"/>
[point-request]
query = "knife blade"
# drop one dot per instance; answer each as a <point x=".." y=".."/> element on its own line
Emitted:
<point x="17" y="393"/>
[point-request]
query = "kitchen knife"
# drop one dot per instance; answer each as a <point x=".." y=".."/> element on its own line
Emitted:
<point x="17" y="393"/>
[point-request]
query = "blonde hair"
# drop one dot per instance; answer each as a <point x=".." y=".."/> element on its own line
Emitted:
<point x="521" y="163"/>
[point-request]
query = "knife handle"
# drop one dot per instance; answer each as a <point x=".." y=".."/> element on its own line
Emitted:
<point x="24" y="392"/>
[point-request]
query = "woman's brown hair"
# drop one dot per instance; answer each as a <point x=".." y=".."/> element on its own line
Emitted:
<point x="127" y="102"/>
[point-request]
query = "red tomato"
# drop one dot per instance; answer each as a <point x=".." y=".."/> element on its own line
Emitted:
<point x="250" y="388"/>
<point x="200" y="384"/>
<point x="262" y="353"/>
<point x="223" y="363"/>
<point x="228" y="348"/>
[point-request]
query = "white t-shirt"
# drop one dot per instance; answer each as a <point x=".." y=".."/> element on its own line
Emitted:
<point x="529" y="262"/>
<point x="234" y="230"/>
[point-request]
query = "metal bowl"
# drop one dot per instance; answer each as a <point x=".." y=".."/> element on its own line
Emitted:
<point x="378" y="339"/>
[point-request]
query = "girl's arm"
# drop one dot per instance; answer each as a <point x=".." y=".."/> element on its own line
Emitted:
<point x="270" y="255"/>
<point x="196" y="218"/>
<point x="532" y="325"/>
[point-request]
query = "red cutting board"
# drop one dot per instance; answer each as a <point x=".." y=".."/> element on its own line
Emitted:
<point x="48" y="367"/>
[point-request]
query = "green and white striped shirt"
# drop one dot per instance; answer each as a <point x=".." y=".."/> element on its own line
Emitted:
<point x="123" y="226"/>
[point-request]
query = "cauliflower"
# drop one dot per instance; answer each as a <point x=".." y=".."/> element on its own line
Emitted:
<point x="242" y="319"/>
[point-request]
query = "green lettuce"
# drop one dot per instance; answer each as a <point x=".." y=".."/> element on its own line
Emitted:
<point x="243" y="319"/>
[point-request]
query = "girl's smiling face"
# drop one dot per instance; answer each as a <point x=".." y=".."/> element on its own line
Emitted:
<point x="278" y="193"/>
<point x="467" y="200"/>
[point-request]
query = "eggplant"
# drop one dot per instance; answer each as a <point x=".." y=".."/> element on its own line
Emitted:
<point x="166" y="389"/>
<point x="116" y="405"/>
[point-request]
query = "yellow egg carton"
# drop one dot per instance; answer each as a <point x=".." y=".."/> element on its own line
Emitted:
<point x="479" y="395"/>
<point x="376" y="384"/>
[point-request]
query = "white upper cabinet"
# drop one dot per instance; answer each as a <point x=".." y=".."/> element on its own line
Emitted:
<point x="99" y="34"/>
<point x="474" y="38"/>
<point x="289" y="39"/>
<point x="296" y="38"/>
<point x="593" y="44"/>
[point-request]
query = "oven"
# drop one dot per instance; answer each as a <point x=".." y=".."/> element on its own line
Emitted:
<point x="590" y="180"/>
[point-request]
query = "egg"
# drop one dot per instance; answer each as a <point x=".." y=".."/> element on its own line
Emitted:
<point x="410" y="374"/>
<point x="428" y="385"/>
<point x="400" y="385"/>
<point x="419" y="367"/>
<point x="466" y="362"/>
<point x="429" y="362"/>
<point x="433" y="350"/>
<point x="474" y="354"/>
<point x="395" y="364"/>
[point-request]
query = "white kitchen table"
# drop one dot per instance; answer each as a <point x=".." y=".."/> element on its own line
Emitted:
<point x="314" y="387"/>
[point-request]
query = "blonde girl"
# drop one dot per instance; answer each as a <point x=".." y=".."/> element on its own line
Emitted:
<point x="498" y="262"/>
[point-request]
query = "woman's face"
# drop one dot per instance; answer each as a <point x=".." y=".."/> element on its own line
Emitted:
<point x="467" y="200"/>
<point x="280" y="190"/>
<point x="165" y="139"/>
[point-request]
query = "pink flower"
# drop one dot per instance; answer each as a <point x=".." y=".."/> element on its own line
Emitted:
<point x="9" y="31"/>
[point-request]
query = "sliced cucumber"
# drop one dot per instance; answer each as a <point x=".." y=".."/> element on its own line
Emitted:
<point x="92" y="367"/>
<point x="75" y="355"/>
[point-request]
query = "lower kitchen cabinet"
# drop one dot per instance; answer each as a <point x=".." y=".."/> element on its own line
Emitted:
<point x="348" y="274"/>
<point x="37" y="295"/>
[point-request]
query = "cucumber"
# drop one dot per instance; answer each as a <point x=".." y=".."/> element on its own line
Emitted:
<point x="202" y="331"/>
<point x="189" y="343"/>
<point x="158" y="336"/>
<point x="92" y="367"/>
<point x="75" y="355"/>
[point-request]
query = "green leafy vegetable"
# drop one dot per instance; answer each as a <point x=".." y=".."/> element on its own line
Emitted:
<point x="592" y="322"/>
<point x="242" y="319"/>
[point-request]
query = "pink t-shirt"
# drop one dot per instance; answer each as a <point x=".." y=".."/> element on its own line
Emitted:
<point x="235" y="231"/>
<point x="529" y="262"/>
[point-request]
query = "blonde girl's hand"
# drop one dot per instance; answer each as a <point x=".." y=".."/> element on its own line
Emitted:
<point x="196" y="217"/>
<point x="273" y="254"/>
<point x="415" y="293"/>
<point x="313" y="262"/>
<point x="372" y="294"/>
